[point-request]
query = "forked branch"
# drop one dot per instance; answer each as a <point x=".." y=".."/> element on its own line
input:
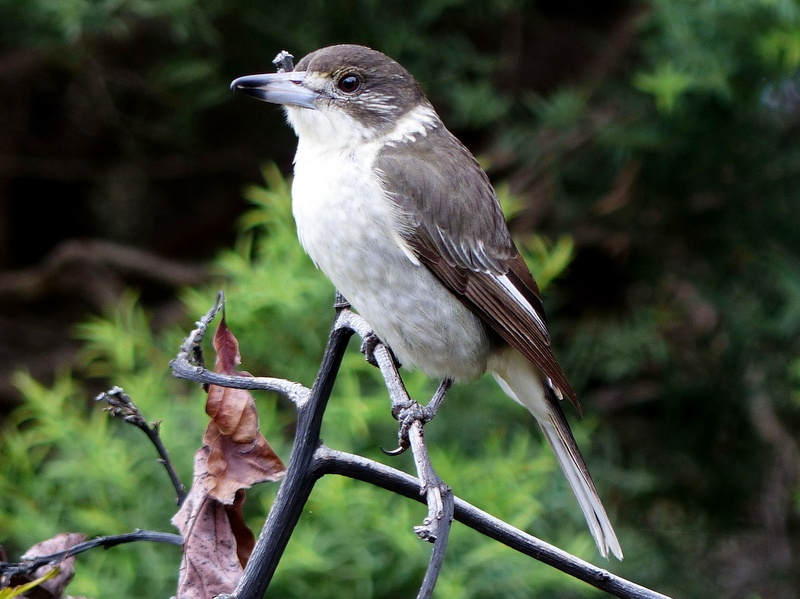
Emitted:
<point x="310" y="460"/>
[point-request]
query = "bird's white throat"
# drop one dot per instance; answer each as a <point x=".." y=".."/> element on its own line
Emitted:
<point x="330" y="128"/>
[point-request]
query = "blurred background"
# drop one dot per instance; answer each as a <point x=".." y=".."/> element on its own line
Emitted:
<point x="663" y="137"/>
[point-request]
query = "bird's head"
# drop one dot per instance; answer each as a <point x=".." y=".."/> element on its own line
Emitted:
<point x="347" y="93"/>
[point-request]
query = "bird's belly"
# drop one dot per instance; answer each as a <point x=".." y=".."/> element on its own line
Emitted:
<point x="421" y="321"/>
<point x="346" y="226"/>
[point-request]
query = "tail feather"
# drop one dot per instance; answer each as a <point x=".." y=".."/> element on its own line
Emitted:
<point x="522" y="382"/>
<point x="569" y="458"/>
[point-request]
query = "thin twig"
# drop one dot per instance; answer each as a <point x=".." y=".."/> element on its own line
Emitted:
<point x="295" y="392"/>
<point x="439" y="499"/>
<point x="189" y="365"/>
<point x="191" y="350"/>
<point x="121" y="406"/>
<point x="27" y="567"/>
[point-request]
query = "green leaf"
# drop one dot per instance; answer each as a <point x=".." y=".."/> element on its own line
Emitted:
<point x="666" y="84"/>
<point x="547" y="261"/>
<point x="781" y="47"/>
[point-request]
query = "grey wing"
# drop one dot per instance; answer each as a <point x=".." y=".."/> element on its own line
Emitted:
<point x="454" y="225"/>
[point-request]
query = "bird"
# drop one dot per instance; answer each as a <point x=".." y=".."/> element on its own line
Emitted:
<point x="405" y="223"/>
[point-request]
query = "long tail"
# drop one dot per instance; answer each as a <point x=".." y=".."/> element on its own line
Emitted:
<point x="520" y="380"/>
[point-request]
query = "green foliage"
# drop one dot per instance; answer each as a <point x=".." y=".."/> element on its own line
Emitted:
<point x="666" y="84"/>
<point x="49" y="23"/>
<point x="67" y="467"/>
<point x="547" y="261"/>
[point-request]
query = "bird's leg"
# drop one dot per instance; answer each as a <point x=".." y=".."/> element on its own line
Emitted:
<point x="404" y="409"/>
<point x="412" y="417"/>
<point x="369" y="340"/>
<point x="436" y="401"/>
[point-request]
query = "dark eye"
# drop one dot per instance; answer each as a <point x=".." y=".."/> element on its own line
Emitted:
<point x="350" y="83"/>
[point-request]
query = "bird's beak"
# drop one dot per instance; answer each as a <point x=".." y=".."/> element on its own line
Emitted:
<point x="278" y="88"/>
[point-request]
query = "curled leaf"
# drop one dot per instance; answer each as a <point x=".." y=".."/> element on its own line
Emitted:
<point x="210" y="564"/>
<point x="240" y="455"/>
<point x="235" y="456"/>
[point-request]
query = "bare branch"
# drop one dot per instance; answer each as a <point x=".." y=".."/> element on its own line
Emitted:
<point x="300" y="476"/>
<point x="191" y="350"/>
<point x="121" y="406"/>
<point x="311" y="459"/>
<point x="189" y="365"/>
<point x="295" y="392"/>
<point x="331" y="461"/>
<point x="439" y="499"/>
<point x="29" y="566"/>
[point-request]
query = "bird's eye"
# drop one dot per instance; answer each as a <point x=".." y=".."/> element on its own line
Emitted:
<point x="350" y="83"/>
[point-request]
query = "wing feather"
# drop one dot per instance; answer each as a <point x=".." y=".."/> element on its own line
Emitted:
<point x="457" y="230"/>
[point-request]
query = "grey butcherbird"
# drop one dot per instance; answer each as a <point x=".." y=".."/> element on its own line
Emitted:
<point x="402" y="219"/>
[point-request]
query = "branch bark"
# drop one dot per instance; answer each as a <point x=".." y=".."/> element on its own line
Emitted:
<point x="189" y="365"/>
<point x="331" y="461"/>
<point x="29" y="566"/>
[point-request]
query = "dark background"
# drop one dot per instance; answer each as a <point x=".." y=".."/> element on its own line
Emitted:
<point x="662" y="136"/>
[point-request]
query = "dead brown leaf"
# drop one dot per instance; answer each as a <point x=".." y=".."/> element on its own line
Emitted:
<point x="52" y="588"/>
<point x="240" y="455"/>
<point x="235" y="456"/>
<point x="210" y="564"/>
<point x="245" y="539"/>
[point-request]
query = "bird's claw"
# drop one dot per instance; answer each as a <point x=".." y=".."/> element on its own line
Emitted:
<point x="368" y="345"/>
<point x="400" y="449"/>
<point x="407" y="414"/>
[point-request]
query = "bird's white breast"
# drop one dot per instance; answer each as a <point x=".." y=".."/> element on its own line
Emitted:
<point x="351" y="230"/>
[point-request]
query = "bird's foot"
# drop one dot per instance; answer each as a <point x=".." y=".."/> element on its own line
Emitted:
<point x="406" y="414"/>
<point x="413" y="411"/>
<point x="368" y="344"/>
